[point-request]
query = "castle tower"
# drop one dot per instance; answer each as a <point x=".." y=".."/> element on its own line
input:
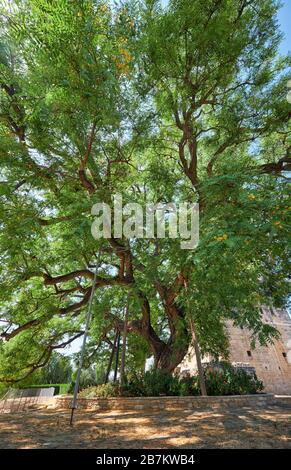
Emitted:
<point x="272" y="363"/>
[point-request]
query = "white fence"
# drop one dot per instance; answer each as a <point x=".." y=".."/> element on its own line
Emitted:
<point x="20" y="400"/>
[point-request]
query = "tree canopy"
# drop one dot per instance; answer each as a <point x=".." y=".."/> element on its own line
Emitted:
<point x="179" y="103"/>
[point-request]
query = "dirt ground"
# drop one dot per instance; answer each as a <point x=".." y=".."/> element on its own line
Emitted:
<point x="236" y="428"/>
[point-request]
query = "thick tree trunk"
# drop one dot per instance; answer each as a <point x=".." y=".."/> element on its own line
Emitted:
<point x="167" y="354"/>
<point x="171" y="357"/>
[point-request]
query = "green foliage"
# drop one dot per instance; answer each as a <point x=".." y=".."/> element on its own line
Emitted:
<point x="100" y="373"/>
<point x="220" y="379"/>
<point x="185" y="103"/>
<point x="224" y="379"/>
<point x="101" y="391"/>
<point x="57" y="371"/>
<point x="87" y="379"/>
<point x="3" y="389"/>
<point x="151" y="384"/>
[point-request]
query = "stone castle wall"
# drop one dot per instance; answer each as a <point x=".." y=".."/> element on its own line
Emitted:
<point x="272" y="363"/>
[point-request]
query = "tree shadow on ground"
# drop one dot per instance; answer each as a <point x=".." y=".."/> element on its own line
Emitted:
<point x="245" y="427"/>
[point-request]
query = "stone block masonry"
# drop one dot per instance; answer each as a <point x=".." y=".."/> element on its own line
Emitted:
<point x="272" y="363"/>
<point x="151" y="404"/>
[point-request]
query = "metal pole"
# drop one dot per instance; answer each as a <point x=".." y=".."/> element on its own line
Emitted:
<point x="123" y="355"/>
<point x="117" y="357"/>
<point x="197" y="350"/>
<point x="111" y="357"/>
<point x="199" y="362"/>
<point x="77" y="383"/>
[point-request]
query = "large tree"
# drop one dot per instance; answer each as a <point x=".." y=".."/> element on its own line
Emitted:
<point x="182" y="103"/>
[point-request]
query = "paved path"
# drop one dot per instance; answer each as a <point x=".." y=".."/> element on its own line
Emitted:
<point x="236" y="428"/>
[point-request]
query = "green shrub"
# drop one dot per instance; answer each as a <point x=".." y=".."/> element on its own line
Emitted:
<point x="223" y="379"/>
<point x="133" y="386"/>
<point x="64" y="389"/>
<point x="189" y="386"/>
<point x="153" y="383"/>
<point x="3" y="390"/>
<point x="101" y="391"/>
<point x="158" y="383"/>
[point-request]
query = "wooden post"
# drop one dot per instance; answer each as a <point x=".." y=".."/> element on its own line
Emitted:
<point x="198" y="360"/>
<point x="116" y="358"/>
<point x="111" y="358"/>
<point x="197" y="349"/>
<point x="124" y="340"/>
<point x="88" y="317"/>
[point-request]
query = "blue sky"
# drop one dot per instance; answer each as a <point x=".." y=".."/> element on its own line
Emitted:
<point x="284" y="17"/>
